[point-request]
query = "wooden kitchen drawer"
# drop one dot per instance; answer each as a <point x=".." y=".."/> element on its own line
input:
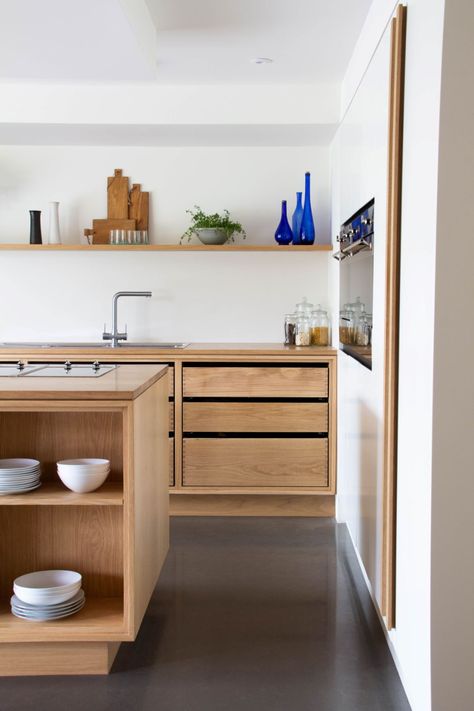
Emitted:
<point x="248" y="381"/>
<point x="255" y="416"/>
<point x="255" y="462"/>
<point x="171" y="452"/>
<point x="170" y="381"/>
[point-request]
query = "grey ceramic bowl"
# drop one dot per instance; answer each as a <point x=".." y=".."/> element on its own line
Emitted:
<point x="212" y="236"/>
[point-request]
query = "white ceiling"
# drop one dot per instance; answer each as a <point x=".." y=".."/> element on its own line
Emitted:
<point x="213" y="41"/>
<point x="197" y="41"/>
<point x="66" y="41"/>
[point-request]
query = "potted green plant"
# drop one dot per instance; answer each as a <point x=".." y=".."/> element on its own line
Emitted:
<point x="212" y="229"/>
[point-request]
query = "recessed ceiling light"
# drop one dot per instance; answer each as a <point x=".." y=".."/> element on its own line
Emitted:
<point x="262" y="60"/>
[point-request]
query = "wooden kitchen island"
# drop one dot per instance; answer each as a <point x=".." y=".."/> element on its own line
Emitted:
<point x="117" y="537"/>
<point x="252" y="426"/>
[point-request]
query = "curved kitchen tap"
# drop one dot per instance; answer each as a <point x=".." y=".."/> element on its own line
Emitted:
<point x="115" y="336"/>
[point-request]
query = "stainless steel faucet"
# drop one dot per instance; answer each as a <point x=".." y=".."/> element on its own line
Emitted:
<point x="115" y="336"/>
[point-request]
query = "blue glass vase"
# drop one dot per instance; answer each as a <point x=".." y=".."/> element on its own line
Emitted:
<point x="283" y="234"/>
<point x="297" y="219"/>
<point x="307" y="223"/>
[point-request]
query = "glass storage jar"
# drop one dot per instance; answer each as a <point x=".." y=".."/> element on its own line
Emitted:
<point x="344" y="322"/>
<point x="290" y="329"/>
<point x="363" y="332"/>
<point x="319" y="327"/>
<point x="303" y="331"/>
<point x="304" y="308"/>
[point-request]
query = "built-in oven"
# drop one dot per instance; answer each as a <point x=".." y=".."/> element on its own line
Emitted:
<point x="356" y="284"/>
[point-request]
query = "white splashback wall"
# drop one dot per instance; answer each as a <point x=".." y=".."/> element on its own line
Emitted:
<point x="197" y="296"/>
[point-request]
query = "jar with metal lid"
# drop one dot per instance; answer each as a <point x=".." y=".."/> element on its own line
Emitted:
<point x="303" y="331"/>
<point x="290" y="329"/>
<point x="319" y="327"/>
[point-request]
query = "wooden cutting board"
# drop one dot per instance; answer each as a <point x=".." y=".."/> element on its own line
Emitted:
<point x="101" y="229"/>
<point x="117" y="196"/>
<point x="138" y="206"/>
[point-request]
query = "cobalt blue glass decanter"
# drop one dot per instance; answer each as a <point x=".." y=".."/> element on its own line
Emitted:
<point x="307" y="224"/>
<point x="283" y="234"/>
<point x="297" y="219"/>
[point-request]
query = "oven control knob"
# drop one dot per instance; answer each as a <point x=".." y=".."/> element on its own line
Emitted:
<point x="67" y="365"/>
<point x="96" y="366"/>
<point x="20" y="365"/>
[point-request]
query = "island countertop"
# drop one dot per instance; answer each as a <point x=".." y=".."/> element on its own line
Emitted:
<point x="122" y="383"/>
<point x="132" y="353"/>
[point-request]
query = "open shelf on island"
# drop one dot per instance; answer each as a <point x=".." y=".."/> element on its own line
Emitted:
<point x="168" y="247"/>
<point x="52" y="493"/>
<point x="101" y="619"/>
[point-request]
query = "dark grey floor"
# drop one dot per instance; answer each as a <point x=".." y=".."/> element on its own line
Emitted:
<point x="249" y="615"/>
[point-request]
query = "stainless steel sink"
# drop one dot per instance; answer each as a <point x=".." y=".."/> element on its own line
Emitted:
<point x="152" y="345"/>
<point x="92" y="346"/>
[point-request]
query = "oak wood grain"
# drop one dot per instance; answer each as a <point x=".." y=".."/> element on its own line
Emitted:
<point x="242" y="381"/>
<point x="255" y="417"/>
<point x="119" y="384"/>
<point x="88" y="539"/>
<point x="255" y="462"/>
<point x="56" y="658"/>
<point x="117" y="196"/>
<point x="150" y="494"/>
<point x="251" y="505"/>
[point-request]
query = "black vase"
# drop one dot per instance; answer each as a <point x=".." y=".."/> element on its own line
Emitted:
<point x="35" y="227"/>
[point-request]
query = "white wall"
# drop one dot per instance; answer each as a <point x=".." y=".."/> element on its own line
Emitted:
<point x="452" y="531"/>
<point x="359" y="455"/>
<point x="362" y="169"/>
<point x="201" y="297"/>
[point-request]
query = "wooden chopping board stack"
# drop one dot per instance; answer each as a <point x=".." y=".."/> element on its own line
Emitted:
<point x="126" y="209"/>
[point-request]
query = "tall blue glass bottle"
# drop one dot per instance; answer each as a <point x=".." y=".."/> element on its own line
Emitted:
<point x="297" y="219"/>
<point x="307" y="224"/>
<point x="283" y="234"/>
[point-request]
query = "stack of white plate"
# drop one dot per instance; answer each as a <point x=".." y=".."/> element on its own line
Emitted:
<point x="47" y="595"/>
<point x="83" y="475"/>
<point x="17" y="476"/>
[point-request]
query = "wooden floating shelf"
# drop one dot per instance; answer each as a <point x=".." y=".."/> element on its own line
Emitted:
<point x="101" y="619"/>
<point x="53" y="493"/>
<point x="166" y="247"/>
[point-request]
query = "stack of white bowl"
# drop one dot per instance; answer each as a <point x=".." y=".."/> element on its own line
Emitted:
<point x="47" y="595"/>
<point x="18" y="476"/>
<point x="83" y="475"/>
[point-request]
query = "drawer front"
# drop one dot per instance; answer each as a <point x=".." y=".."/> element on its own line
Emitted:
<point x="171" y="451"/>
<point x="171" y="416"/>
<point x="255" y="416"/>
<point x="170" y="381"/>
<point x="255" y="462"/>
<point x="266" y="381"/>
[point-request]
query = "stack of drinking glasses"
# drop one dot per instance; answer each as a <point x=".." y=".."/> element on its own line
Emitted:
<point x="121" y="237"/>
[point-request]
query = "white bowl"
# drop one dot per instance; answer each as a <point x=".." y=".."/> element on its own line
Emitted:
<point x="47" y="587"/>
<point x="71" y="463"/>
<point x="82" y="482"/>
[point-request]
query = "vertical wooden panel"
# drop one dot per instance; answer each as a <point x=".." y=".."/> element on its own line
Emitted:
<point x="395" y="155"/>
<point x="178" y="425"/>
<point x="150" y="492"/>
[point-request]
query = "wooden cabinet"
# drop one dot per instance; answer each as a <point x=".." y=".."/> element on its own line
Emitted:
<point x="254" y="427"/>
<point x="116" y="537"/>
<point x="251" y="427"/>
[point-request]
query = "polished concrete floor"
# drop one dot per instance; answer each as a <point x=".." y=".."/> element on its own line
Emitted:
<point x="249" y="615"/>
